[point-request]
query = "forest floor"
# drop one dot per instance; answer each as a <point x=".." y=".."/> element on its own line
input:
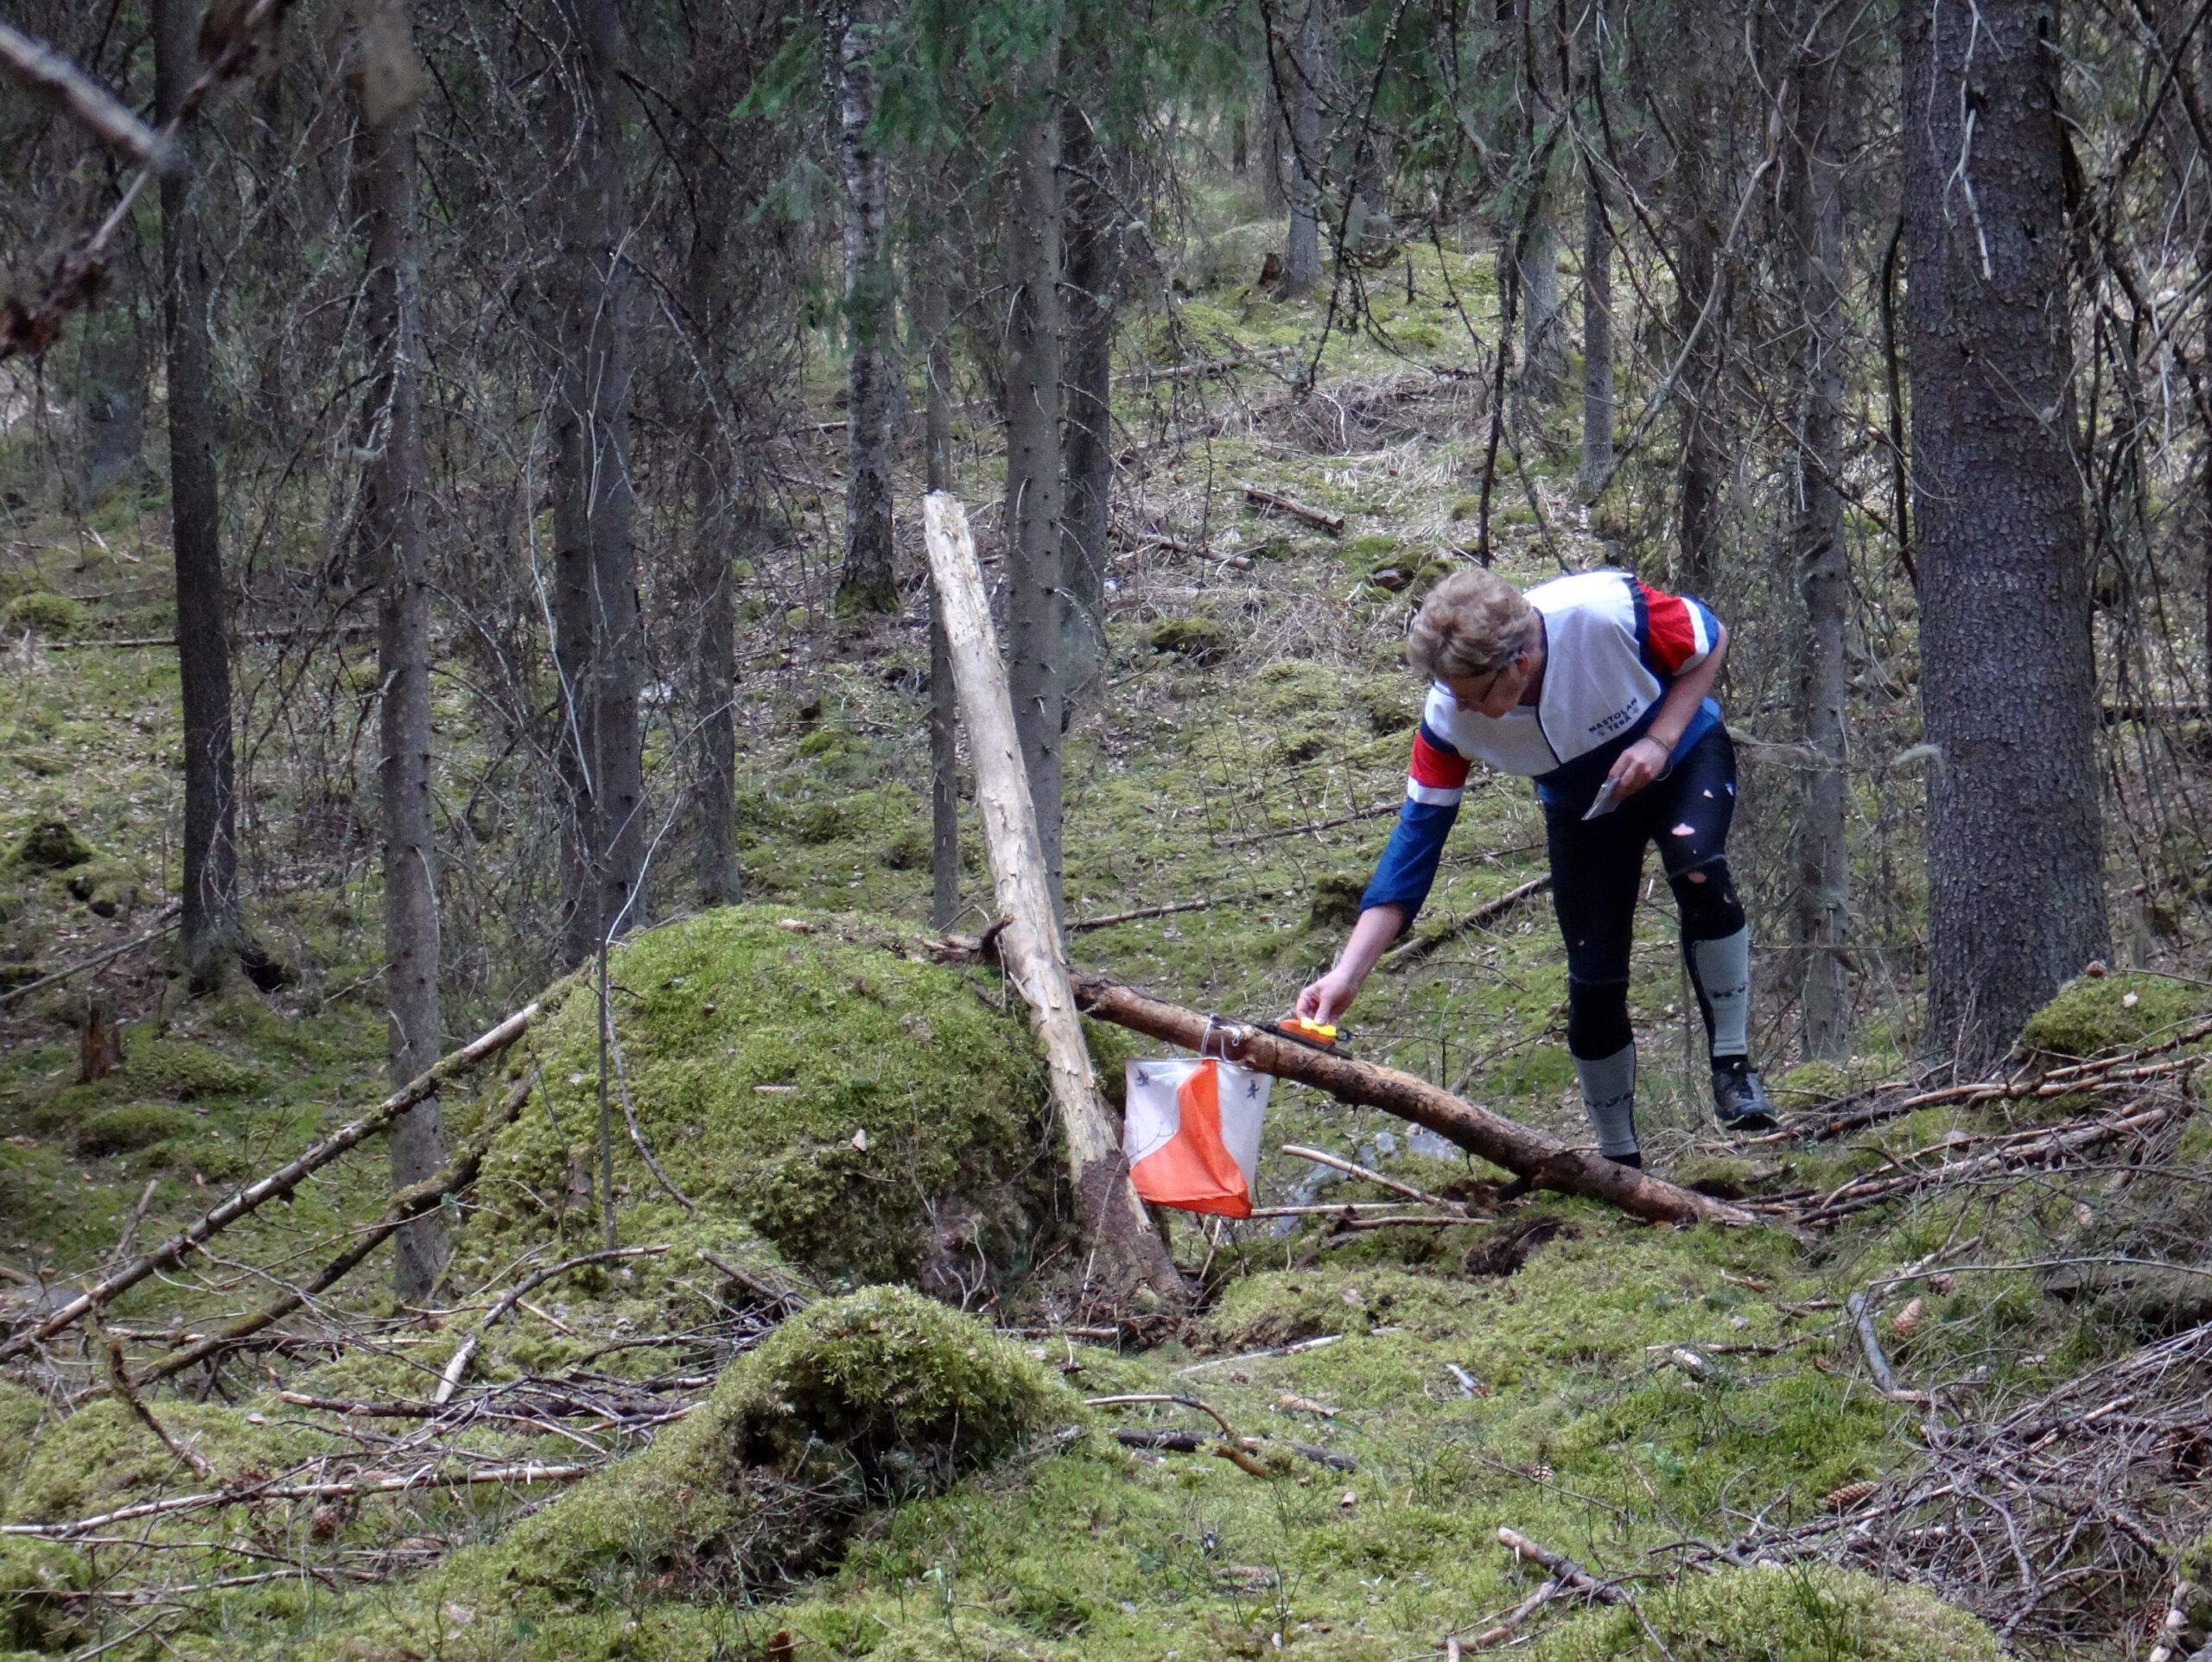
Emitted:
<point x="1689" y="1414"/>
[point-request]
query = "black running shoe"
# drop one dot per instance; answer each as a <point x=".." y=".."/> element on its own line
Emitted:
<point x="1738" y="1099"/>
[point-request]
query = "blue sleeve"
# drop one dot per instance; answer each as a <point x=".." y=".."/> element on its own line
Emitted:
<point x="1407" y="868"/>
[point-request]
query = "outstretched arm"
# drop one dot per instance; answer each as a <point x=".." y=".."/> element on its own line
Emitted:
<point x="1325" y="999"/>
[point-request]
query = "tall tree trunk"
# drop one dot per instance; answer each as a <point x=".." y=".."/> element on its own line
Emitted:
<point x="395" y="553"/>
<point x="1302" y="265"/>
<point x="1815" y="221"/>
<point x="594" y="508"/>
<point x="1543" y="333"/>
<point x="944" y="697"/>
<point x="716" y="667"/>
<point x="1703" y="461"/>
<point x="210" y="932"/>
<point x="1093" y="276"/>
<point x="868" y="584"/>
<point x="2015" y="855"/>
<point x="1032" y="463"/>
<point x="1597" y="336"/>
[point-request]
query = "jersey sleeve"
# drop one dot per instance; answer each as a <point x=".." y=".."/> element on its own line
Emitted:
<point x="1434" y="784"/>
<point x="1674" y="633"/>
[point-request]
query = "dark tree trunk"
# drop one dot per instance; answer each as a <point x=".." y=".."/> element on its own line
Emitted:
<point x="1302" y="265"/>
<point x="594" y="508"/>
<point x="2015" y="858"/>
<point x="1704" y="461"/>
<point x="944" y="697"/>
<point x="1240" y="147"/>
<point x="868" y="584"/>
<point x="1093" y="276"/>
<point x="1597" y="337"/>
<point x="716" y="533"/>
<point x="1543" y="333"/>
<point x="1822" y="854"/>
<point x="396" y="556"/>
<point x="1032" y="468"/>
<point x="210" y="933"/>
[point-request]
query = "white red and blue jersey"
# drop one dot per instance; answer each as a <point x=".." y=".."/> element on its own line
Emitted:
<point x="1613" y="647"/>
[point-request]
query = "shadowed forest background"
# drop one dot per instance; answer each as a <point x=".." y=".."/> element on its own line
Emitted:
<point x="462" y="572"/>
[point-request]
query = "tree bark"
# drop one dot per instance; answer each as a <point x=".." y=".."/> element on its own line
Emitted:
<point x="869" y="583"/>
<point x="1542" y="330"/>
<point x="716" y="665"/>
<point x="2015" y="855"/>
<point x="210" y="934"/>
<point x="1093" y="278"/>
<point x="945" y="712"/>
<point x="1704" y="461"/>
<point x="1822" y="854"/>
<point x="396" y="554"/>
<point x="1542" y="1160"/>
<point x="1034" y="574"/>
<point x="1130" y="1256"/>
<point x="595" y="507"/>
<point x="1302" y="265"/>
<point x="1596" y="464"/>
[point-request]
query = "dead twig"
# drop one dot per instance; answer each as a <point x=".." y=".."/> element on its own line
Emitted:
<point x="1322" y="1157"/>
<point x="1328" y="522"/>
<point x="248" y="1494"/>
<point x="458" y="1363"/>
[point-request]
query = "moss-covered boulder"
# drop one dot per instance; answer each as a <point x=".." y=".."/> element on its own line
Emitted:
<point x="34" y="1615"/>
<point x="877" y="1117"/>
<point x="101" y="1457"/>
<point x="20" y="1411"/>
<point x="1798" y="1613"/>
<point x="131" y="1127"/>
<point x="876" y="1397"/>
<point x="1200" y="639"/>
<point x="2096" y="1014"/>
<point x="50" y="846"/>
<point x="41" y="612"/>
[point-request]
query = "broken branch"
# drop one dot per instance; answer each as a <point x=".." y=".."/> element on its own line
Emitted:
<point x="279" y="1183"/>
<point x="1266" y="499"/>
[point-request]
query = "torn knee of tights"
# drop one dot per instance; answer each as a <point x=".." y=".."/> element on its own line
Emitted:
<point x="1695" y="877"/>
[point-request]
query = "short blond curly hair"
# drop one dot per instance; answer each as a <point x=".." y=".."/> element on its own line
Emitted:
<point x="1474" y="624"/>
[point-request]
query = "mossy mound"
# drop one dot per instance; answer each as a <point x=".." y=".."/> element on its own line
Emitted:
<point x="42" y="612"/>
<point x="188" y="1072"/>
<point x="1795" y="1614"/>
<point x="34" y="1613"/>
<point x="1200" y="639"/>
<point x="134" y="1125"/>
<point x="875" y="1117"/>
<point x="21" y="1411"/>
<point x="100" y="1457"/>
<point x="1809" y="1084"/>
<point x="50" y="846"/>
<point x="878" y="1396"/>
<point x="2093" y="1014"/>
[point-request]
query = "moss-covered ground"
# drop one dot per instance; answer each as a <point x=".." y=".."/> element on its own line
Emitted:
<point x="844" y="1111"/>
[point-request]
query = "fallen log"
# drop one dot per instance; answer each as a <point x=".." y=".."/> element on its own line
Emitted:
<point x="1266" y="499"/>
<point x="1541" y="1160"/>
<point x="1129" y="1252"/>
<point x="279" y="1183"/>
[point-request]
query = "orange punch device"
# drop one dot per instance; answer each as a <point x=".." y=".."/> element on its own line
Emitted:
<point x="1312" y="1032"/>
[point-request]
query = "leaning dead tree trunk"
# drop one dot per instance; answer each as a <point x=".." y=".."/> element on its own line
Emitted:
<point x="1543" y="1161"/>
<point x="1130" y="1253"/>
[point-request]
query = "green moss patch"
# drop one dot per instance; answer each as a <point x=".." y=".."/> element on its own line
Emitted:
<point x="50" y="846"/>
<point x="188" y="1071"/>
<point x="134" y="1125"/>
<point x="2093" y="1014"/>
<point x="1792" y="1613"/>
<point x="874" y="1117"/>
<point x="34" y="1615"/>
<point x="1198" y="638"/>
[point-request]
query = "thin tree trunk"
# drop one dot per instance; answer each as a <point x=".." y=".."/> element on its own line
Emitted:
<point x="1032" y="466"/>
<point x="1093" y="276"/>
<point x="868" y="584"/>
<point x="210" y="933"/>
<point x="944" y="706"/>
<point x="1822" y="851"/>
<point x="1597" y="336"/>
<point x="594" y="508"/>
<point x="1240" y="147"/>
<point x="716" y="665"/>
<point x="2015" y="854"/>
<point x="1301" y="266"/>
<point x="395" y="550"/>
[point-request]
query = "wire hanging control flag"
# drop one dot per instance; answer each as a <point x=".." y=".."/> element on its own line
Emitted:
<point x="1193" y="1133"/>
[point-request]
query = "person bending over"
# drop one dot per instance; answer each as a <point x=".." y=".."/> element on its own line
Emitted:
<point x="1595" y="686"/>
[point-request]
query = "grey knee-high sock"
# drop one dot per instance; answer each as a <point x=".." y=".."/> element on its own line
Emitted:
<point x="1723" y="969"/>
<point x="1609" y="1098"/>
